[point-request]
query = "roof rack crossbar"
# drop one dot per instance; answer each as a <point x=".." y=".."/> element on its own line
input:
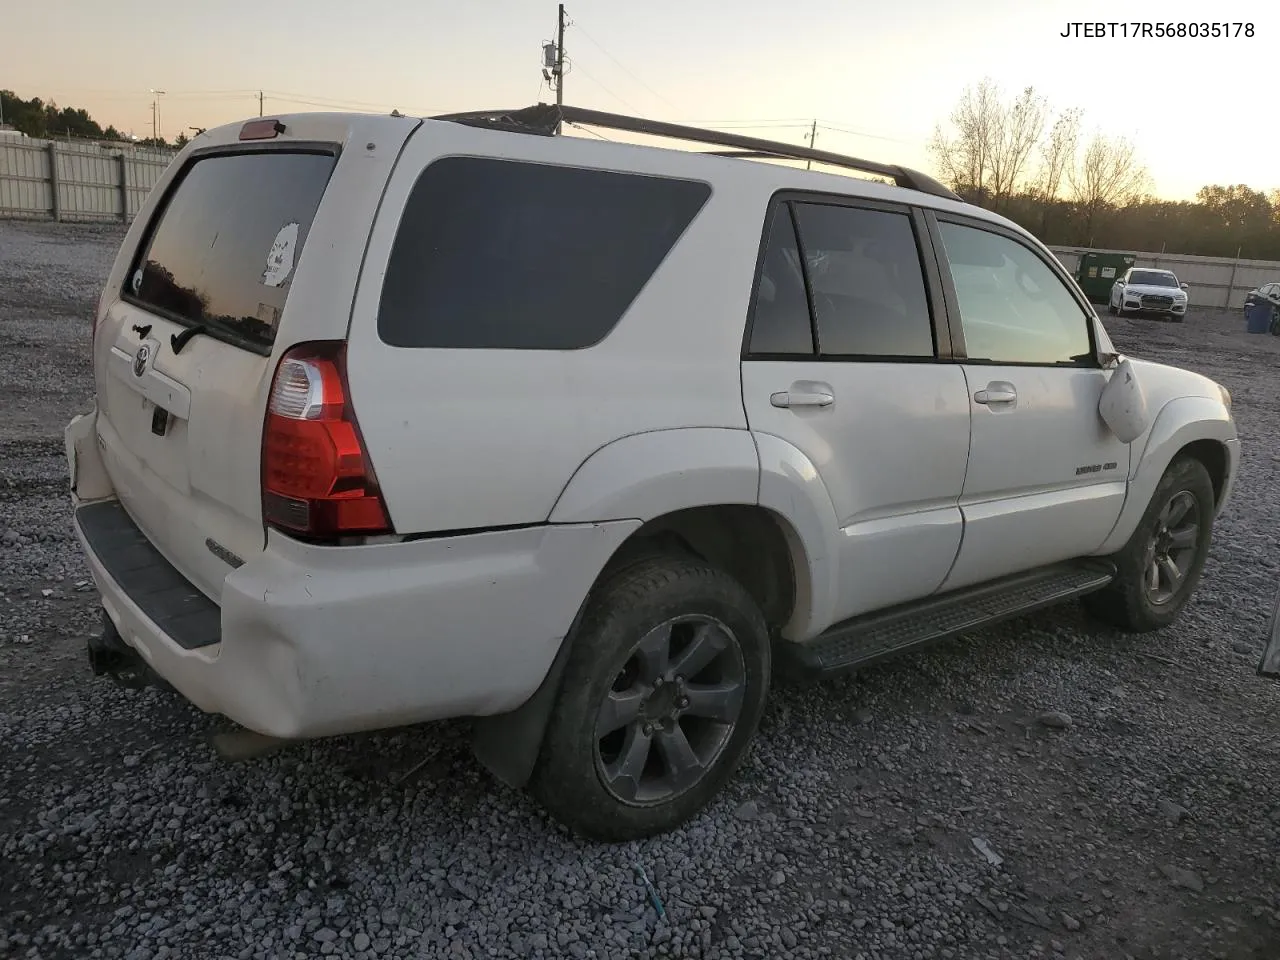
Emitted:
<point x="545" y="119"/>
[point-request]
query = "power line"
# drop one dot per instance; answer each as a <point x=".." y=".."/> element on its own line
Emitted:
<point x="640" y="80"/>
<point x="320" y="100"/>
<point x="863" y="133"/>
<point x="627" y="103"/>
<point x="754" y="126"/>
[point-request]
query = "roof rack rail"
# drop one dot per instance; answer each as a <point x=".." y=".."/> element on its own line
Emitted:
<point x="544" y="119"/>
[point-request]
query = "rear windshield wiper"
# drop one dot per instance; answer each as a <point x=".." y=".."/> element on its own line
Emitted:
<point x="180" y="340"/>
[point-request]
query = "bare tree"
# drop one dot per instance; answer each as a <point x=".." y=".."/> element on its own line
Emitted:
<point x="964" y="156"/>
<point x="1058" y="154"/>
<point x="1019" y="128"/>
<point x="986" y="150"/>
<point x="1107" y="175"/>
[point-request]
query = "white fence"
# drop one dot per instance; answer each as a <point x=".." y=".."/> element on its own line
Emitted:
<point x="1221" y="282"/>
<point x="58" y="180"/>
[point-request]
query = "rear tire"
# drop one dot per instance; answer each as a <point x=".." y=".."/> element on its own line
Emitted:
<point x="661" y="695"/>
<point x="1159" y="569"/>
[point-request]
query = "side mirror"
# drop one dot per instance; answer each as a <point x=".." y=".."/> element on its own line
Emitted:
<point x="1123" y="405"/>
<point x="1185" y="287"/>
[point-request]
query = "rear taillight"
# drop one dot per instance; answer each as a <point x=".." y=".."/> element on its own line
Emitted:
<point x="316" y="478"/>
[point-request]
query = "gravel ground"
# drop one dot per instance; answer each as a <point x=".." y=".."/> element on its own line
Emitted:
<point x="1139" y="819"/>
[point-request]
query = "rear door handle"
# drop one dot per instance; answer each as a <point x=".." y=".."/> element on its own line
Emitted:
<point x="997" y="393"/>
<point x="788" y="398"/>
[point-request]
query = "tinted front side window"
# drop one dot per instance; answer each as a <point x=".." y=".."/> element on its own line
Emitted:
<point x="514" y="255"/>
<point x="781" y="321"/>
<point x="866" y="280"/>
<point x="227" y="242"/>
<point x="1013" y="308"/>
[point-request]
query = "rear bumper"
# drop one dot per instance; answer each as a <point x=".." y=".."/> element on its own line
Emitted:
<point x="370" y="637"/>
<point x="315" y="641"/>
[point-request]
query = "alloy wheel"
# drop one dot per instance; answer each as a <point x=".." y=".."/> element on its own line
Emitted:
<point x="671" y="710"/>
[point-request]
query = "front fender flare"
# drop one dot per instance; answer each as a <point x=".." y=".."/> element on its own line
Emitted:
<point x="1180" y="422"/>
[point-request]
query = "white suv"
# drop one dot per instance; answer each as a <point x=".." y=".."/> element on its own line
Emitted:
<point x="1146" y="291"/>
<point x="403" y="419"/>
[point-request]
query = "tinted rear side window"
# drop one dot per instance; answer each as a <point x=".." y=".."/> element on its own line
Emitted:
<point x="514" y="255"/>
<point x="224" y="248"/>
<point x="781" y="322"/>
<point x="866" y="281"/>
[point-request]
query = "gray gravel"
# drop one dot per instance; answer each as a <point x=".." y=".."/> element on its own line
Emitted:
<point x="1129" y="788"/>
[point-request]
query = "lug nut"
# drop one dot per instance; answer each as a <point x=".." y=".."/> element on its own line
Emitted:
<point x="658" y="682"/>
<point x="682" y="702"/>
<point x="648" y="729"/>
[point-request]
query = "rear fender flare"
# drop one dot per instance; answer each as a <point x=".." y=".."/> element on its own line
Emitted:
<point x="648" y="475"/>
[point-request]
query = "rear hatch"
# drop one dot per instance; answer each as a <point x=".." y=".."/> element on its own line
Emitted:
<point x="246" y="248"/>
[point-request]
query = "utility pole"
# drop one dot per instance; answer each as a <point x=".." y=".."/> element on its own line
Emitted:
<point x="813" y="135"/>
<point x="155" y="115"/>
<point x="259" y="103"/>
<point x="559" y="62"/>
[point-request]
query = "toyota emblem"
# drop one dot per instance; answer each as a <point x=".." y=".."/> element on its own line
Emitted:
<point x="140" y="359"/>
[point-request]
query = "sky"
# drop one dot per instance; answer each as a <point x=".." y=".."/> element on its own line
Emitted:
<point x="877" y="77"/>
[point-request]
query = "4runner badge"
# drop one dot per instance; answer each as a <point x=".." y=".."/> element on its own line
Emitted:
<point x="140" y="359"/>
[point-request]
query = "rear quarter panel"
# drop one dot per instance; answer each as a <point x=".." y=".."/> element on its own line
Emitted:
<point x="468" y="438"/>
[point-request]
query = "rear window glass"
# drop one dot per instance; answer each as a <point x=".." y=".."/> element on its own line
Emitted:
<point x="227" y="242"/>
<point x="515" y="255"/>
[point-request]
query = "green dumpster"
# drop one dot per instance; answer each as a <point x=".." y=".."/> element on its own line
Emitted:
<point x="1098" y="271"/>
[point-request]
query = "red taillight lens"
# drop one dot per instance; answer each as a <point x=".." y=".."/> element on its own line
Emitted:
<point x="316" y="479"/>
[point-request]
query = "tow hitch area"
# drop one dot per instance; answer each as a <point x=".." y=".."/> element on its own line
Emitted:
<point x="1269" y="665"/>
<point x="109" y="655"/>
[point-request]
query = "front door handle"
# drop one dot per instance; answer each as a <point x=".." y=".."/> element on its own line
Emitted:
<point x="997" y="393"/>
<point x="790" y="398"/>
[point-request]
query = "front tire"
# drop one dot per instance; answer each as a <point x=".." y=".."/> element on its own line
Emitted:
<point x="1159" y="569"/>
<point x="662" y="693"/>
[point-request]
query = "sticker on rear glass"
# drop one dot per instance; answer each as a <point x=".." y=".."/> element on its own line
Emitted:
<point x="280" y="257"/>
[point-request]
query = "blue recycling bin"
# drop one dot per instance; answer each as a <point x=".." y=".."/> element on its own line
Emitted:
<point x="1257" y="317"/>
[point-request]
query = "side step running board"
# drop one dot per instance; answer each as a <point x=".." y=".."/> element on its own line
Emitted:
<point x="884" y="633"/>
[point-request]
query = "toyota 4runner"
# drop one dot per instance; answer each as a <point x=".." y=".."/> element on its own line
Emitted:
<point x="402" y="419"/>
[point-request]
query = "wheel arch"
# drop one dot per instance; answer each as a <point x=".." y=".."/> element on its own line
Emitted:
<point x="1199" y="427"/>
<point x="765" y="528"/>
